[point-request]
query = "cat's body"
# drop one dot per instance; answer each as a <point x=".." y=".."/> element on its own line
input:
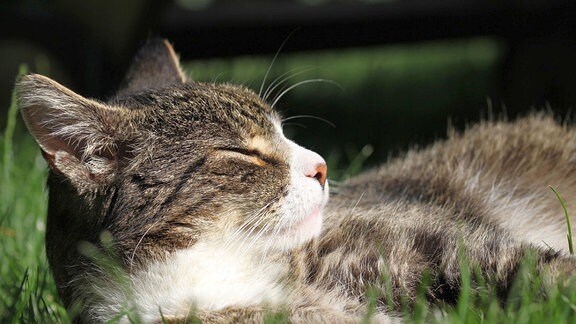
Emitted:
<point x="215" y="214"/>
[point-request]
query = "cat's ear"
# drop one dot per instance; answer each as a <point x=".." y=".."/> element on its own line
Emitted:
<point x="76" y="135"/>
<point x="155" y="65"/>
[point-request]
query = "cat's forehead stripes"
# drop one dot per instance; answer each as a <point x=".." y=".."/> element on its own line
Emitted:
<point x="187" y="110"/>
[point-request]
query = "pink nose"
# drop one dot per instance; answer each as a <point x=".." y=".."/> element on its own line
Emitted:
<point x="310" y="164"/>
<point x="319" y="173"/>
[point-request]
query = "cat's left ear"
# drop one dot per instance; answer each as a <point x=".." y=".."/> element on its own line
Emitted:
<point x="156" y="65"/>
<point x="80" y="138"/>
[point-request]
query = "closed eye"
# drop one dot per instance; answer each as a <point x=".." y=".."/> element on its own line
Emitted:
<point x="252" y="156"/>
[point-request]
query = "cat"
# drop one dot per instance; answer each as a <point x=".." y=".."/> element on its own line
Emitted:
<point x="212" y="214"/>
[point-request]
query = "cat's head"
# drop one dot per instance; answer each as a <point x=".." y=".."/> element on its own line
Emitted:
<point x="169" y="162"/>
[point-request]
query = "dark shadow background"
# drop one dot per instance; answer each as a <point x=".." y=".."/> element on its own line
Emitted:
<point x="405" y="69"/>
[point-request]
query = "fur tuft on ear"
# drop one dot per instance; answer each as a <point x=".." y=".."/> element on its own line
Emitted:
<point x="155" y="65"/>
<point x="76" y="135"/>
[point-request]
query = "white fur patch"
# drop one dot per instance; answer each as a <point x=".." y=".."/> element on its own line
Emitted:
<point x="206" y="276"/>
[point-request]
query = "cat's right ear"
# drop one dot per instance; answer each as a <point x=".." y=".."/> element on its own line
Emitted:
<point x="155" y="65"/>
<point x="78" y="136"/>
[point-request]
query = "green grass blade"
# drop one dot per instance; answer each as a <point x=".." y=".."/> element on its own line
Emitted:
<point x="567" y="217"/>
<point x="13" y="309"/>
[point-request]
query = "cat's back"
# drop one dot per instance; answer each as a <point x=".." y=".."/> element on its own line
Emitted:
<point x="483" y="191"/>
<point x="497" y="173"/>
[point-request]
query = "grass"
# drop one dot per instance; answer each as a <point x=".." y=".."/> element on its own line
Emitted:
<point x="567" y="218"/>
<point x="28" y="294"/>
<point x="27" y="291"/>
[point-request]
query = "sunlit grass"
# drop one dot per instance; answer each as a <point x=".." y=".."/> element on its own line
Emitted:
<point x="567" y="218"/>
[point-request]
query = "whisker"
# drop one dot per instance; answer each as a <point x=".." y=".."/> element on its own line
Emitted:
<point x="259" y="212"/>
<point x="295" y="124"/>
<point x="277" y="228"/>
<point x="277" y="82"/>
<point x="273" y="61"/>
<point x="249" y="241"/>
<point x="259" y="220"/>
<point x="240" y="241"/>
<point x="299" y="84"/>
<point x="256" y="238"/>
<point x="312" y="117"/>
<point x="140" y="241"/>
<point x="259" y="233"/>
<point x="357" y="202"/>
<point x="254" y="221"/>
<point x="217" y="77"/>
<point x="269" y="242"/>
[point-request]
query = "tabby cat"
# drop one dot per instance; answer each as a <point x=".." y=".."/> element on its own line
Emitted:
<point x="212" y="214"/>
